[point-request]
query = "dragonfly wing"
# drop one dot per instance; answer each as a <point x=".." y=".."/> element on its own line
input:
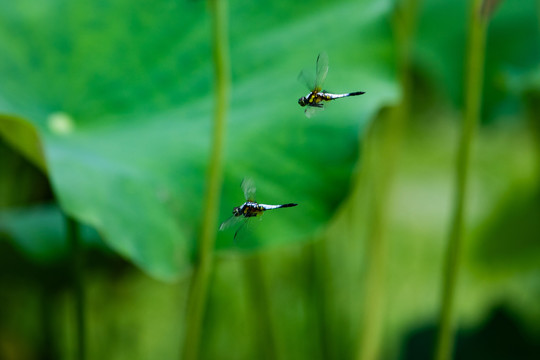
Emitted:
<point x="313" y="110"/>
<point x="231" y="222"/>
<point x="248" y="186"/>
<point x="307" y="79"/>
<point x="240" y="228"/>
<point x="322" y="69"/>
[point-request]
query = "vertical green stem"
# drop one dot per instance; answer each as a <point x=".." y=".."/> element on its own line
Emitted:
<point x="259" y="299"/>
<point x="78" y="281"/>
<point x="388" y="142"/>
<point x="321" y="292"/>
<point x="374" y="288"/>
<point x="473" y="96"/>
<point x="201" y="276"/>
<point x="534" y="106"/>
<point x="532" y="102"/>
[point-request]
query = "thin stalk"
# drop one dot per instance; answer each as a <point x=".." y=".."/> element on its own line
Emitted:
<point x="320" y="291"/>
<point x="260" y="301"/>
<point x="374" y="288"/>
<point x="385" y="142"/>
<point x="388" y="142"/>
<point x="473" y="97"/>
<point x="47" y="306"/>
<point x="77" y="259"/>
<point x="203" y="267"/>
<point x="532" y="102"/>
<point x="533" y="106"/>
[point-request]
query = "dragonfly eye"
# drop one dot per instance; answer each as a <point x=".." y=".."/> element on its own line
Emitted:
<point x="302" y="101"/>
<point x="236" y="211"/>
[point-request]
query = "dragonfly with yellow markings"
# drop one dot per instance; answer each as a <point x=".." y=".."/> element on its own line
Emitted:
<point x="250" y="209"/>
<point x="316" y="97"/>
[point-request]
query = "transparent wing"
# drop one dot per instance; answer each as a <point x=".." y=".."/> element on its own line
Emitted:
<point x="248" y="186"/>
<point x="246" y="234"/>
<point x="322" y="69"/>
<point x="231" y="222"/>
<point x="307" y="79"/>
<point x="243" y="226"/>
<point x="312" y="111"/>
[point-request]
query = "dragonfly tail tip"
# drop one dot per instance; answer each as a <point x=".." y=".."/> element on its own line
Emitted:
<point x="288" y="205"/>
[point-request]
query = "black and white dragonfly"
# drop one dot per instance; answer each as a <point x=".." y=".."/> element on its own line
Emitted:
<point x="250" y="209"/>
<point x="315" y="99"/>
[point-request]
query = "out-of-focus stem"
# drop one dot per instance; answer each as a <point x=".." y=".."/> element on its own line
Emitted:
<point x="388" y="142"/>
<point x="260" y="300"/>
<point x="74" y="241"/>
<point x="473" y="97"/>
<point x="203" y="267"/>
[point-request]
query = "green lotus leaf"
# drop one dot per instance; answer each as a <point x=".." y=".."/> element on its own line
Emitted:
<point x="121" y="96"/>
<point x="39" y="232"/>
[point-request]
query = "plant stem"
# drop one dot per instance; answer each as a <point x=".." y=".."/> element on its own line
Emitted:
<point x="533" y="107"/>
<point x="76" y="250"/>
<point x="532" y="103"/>
<point x="388" y="142"/>
<point x="259" y="299"/>
<point x="48" y="349"/>
<point x="203" y="267"/>
<point x="321" y="291"/>
<point x="473" y="97"/>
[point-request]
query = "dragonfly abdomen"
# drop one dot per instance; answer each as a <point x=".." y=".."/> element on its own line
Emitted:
<point x="287" y="205"/>
<point x="272" y="207"/>
<point x="329" y="96"/>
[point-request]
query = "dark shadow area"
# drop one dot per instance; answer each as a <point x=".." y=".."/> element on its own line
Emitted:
<point x="30" y="294"/>
<point x="21" y="182"/>
<point x="501" y="336"/>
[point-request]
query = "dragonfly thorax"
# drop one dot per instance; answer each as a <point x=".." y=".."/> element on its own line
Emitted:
<point x="314" y="98"/>
<point x="248" y="209"/>
<point x="309" y="99"/>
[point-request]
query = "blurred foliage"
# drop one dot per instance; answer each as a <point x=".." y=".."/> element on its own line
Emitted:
<point x="20" y="182"/>
<point x="110" y="102"/>
<point x="40" y="232"/>
<point x="512" y="49"/>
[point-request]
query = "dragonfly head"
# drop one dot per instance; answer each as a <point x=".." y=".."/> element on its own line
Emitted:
<point x="237" y="211"/>
<point x="303" y="101"/>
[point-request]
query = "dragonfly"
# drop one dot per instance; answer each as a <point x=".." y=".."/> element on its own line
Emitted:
<point x="250" y="209"/>
<point x="315" y="99"/>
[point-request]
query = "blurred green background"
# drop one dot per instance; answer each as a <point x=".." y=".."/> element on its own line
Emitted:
<point x="105" y="118"/>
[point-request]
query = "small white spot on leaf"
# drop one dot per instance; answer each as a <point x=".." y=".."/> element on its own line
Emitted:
<point x="60" y="123"/>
